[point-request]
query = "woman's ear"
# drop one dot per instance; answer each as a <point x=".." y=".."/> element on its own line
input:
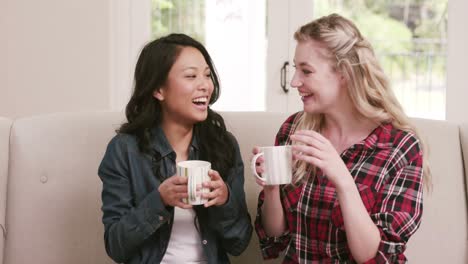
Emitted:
<point x="342" y="78"/>
<point x="159" y="94"/>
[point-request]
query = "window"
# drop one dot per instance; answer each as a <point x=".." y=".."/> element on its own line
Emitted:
<point x="410" y="39"/>
<point x="170" y="16"/>
<point x="234" y="32"/>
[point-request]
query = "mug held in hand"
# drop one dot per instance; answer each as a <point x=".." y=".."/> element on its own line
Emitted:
<point x="277" y="165"/>
<point x="196" y="172"/>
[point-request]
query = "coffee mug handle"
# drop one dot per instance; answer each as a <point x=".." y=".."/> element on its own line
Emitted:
<point x="253" y="166"/>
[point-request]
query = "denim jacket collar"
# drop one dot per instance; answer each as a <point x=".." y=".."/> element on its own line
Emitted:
<point x="161" y="144"/>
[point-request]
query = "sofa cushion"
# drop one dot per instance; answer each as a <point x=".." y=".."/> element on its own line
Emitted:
<point x="53" y="203"/>
<point x="5" y="125"/>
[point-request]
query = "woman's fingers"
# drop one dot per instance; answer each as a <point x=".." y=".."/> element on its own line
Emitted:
<point x="259" y="166"/>
<point x="210" y="195"/>
<point x="214" y="197"/>
<point x="179" y="188"/>
<point x="310" y="159"/>
<point x="255" y="150"/>
<point x="182" y="205"/>
<point x="173" y="190"/>
<point x="218" y="191"/>
<point x="260" y="182"/>
<point x="260" y="160"/>
<point x="211" y="202"/>
<point x="214" y="175"/>
<point x="212" y="184"/>
<point x="181" y="195"/>
<point x="216" y="180"/>
<point x="307" y="150"/>
<point x="259" y="169"/>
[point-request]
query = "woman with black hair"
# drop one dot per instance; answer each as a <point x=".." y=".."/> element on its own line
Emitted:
<point x="170" y="120"/>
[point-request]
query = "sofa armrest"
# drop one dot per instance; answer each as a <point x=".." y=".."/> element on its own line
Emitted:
<point x="5" y="127"/>
<point x="464" y="146"/>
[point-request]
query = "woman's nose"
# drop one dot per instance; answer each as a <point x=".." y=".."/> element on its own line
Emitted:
<point x="205" y="84"/>
<point x="295" y="82"/>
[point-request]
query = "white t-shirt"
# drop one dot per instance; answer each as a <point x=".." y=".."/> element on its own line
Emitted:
<point x="185" y="243"/>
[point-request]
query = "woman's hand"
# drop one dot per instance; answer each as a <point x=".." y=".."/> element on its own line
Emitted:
<point x="259" y="169"/>
<point x="258" y="166"/>
<point x="173" y="190"/>
<point x="219" y="192"/>
<point x="319" y="152"/>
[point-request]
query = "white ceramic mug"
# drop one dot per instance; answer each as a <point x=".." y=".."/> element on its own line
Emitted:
<point x="196" y="172"/>
<point x="277" y="165"/>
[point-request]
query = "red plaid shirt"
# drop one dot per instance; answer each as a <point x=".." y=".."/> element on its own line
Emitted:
<point x="387" y="169"/>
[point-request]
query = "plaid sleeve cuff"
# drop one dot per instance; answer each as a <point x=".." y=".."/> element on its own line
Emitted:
<point x="272" y="246"/>
<point x="388" y="251"/>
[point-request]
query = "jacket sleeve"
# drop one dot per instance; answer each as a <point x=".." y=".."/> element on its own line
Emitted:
<point x="127" y="225"/>
<point x="398" y="210"/>
<point x="232" y="220"/>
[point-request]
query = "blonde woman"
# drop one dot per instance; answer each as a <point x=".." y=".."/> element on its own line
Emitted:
<point x="359" y="164"/>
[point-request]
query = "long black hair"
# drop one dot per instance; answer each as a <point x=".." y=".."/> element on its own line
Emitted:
<point x="143" y="111"/>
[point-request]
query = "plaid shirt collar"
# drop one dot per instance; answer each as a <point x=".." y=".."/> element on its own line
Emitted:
<point x="378" y="138"/>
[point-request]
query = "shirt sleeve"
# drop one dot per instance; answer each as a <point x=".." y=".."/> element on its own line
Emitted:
<point x="126" y="225"/>
<point x="398" y="209"/>
<point x="232" y="220"/>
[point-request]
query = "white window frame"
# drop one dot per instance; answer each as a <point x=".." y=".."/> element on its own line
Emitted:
<point x="130" y="29"/>
<point x="130" y="26"/>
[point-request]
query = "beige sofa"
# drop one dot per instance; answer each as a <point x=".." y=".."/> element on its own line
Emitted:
<point x="50" y="192"/>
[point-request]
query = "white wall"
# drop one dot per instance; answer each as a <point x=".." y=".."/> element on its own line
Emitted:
<point x="457" y="79"/>
<point x="56" y="56"/>
<point x="3" y="53"/>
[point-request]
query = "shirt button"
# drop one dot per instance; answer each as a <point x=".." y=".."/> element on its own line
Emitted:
<point x="204" y="242"/>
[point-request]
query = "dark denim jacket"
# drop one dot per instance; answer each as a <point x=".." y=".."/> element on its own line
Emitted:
<point x="138" y="225"/>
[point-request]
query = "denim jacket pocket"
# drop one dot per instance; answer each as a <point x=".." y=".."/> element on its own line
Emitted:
<point x="368" y="196"/>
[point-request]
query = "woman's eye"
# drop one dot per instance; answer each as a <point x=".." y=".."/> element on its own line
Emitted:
<point x="306" y="72"/>
<point x="208" y="75"/>
<point x="191" y="76"/>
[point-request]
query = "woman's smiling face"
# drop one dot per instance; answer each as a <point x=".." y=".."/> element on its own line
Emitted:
<point x="316" y="79"/>
<point x="186" y="94"/>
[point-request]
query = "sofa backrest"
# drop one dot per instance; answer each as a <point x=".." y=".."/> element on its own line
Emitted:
<point x="53" y="201"/>
<point x="253" y="129"/>
<point x="442" y="236"/>
<point x="5" y="125"/>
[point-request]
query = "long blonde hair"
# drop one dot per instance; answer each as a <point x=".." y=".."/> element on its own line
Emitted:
<point x="368" y="86"/>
